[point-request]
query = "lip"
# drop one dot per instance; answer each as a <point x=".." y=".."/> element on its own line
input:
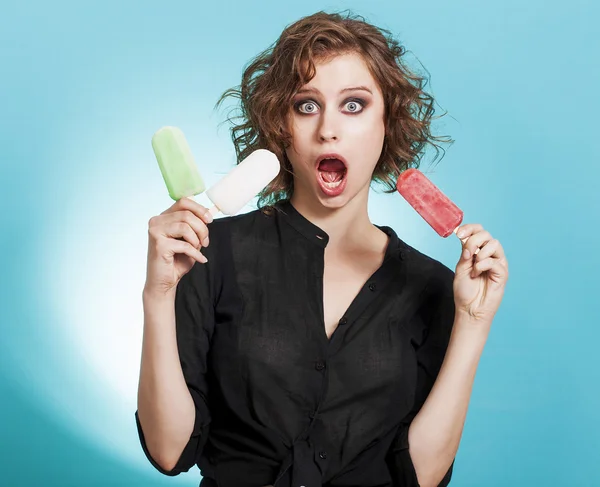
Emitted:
<point x="331" y="155"/>
<point x="340" y="189"/>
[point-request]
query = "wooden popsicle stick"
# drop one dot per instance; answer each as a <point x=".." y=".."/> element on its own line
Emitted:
<point x="214" y="211"/>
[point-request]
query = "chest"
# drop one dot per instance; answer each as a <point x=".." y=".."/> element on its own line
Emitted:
<point x="343" y="279"/>
<point x="277" y="314"/>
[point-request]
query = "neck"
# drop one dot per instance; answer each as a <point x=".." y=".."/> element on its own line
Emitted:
<point x="347" y="227"/>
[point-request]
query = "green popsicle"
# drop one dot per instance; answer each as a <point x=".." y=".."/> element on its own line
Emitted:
<point x="176" y="163"/>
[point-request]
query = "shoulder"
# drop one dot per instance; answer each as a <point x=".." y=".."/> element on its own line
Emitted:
<point x="244" y="231"/>
<point x="245" y="224"/>
<point x="244" y="220"/>
<point x="439" y="276"/>
<point x="434" y="277"/>
<point x="437" y="298"/>
<point x="224" y="234"/>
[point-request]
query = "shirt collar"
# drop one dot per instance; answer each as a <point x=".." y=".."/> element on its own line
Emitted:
<point x="310" y="231"/>
<point x="396" y="248"/>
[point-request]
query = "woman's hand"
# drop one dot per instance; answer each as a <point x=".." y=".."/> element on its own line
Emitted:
<point x="175" y="238"/>
<point x="481" y="274"/>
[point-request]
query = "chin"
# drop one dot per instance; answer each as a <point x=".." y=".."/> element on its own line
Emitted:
<point x="340" y="201"/>
<point x="334" y="203"/>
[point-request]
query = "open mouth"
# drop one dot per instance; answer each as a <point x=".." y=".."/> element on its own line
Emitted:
<point x="332" y="175"/>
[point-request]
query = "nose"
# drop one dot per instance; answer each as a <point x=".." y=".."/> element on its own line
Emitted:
<point x="328" y="129"/>
<point x="327" y="135"/>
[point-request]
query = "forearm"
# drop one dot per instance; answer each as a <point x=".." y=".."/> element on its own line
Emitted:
<point x="435" y="432"/>
<point x="165" y="407"/>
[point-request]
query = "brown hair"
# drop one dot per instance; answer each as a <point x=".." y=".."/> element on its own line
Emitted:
<point x="272" y="78"/>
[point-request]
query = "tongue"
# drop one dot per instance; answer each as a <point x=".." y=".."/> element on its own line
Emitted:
<point x="332" y="165"/>
<point x="332" y="170"/>
<point x="332" y="177"/>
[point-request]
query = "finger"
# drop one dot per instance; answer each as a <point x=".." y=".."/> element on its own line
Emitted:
<point x="475" y="242"/>
<point x="494" y="266"/>
<point x="189" y="204"/>
<point x="181" y="247"/>
<point x="468" y="229"/>
<point x="489" y="249"/>
<point x="185" y="216"/>
<point x="182" y="230"/>
<point x="199" y="226"/>
<point x="200" y="211"/>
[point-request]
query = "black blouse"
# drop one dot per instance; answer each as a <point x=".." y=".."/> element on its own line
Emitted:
<point x="277" y="402"/>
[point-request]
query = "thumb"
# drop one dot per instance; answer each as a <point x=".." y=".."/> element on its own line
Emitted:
<point x="465" y="262"/>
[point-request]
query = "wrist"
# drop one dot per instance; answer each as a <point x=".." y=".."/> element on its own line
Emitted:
<point x="152" y="295"/>
<point x="466" y="323"/>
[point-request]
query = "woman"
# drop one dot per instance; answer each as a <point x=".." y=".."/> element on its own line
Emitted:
<point x="306" y="346"/>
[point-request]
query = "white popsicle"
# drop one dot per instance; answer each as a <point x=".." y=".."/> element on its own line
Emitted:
<point x="243" y="182"/>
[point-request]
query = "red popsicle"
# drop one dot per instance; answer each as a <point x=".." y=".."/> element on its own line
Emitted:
<point x="426" y="198"/>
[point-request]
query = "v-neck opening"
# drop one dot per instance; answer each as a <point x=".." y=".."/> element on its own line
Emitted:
<point x="369" y="290"/>
<point x="395" y="250"/>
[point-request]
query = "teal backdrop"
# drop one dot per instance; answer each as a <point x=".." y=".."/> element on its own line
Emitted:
<point x="84" y="85"/>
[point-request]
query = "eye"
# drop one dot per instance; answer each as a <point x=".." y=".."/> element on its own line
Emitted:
<point x="307" y="107"/>
<point x="354" y="106"/>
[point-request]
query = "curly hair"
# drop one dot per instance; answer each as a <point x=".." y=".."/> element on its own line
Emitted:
<point x="272" y="78"/>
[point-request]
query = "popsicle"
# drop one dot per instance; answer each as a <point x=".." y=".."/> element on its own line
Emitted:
<point x="243" y="182"/>
<point x="177" y="163"/>
<point x="429" y="202"/>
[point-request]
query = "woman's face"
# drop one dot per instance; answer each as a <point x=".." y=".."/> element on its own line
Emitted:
<point x="337" y="124"/>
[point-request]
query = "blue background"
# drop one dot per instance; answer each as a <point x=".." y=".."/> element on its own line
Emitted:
<point x="83" y="87"/>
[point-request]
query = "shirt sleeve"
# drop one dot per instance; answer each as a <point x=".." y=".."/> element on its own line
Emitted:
<point x="438" y="313"/>
<point x="194" y="317"/>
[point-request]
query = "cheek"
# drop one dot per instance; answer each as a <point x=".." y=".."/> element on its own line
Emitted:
<point x="367" y="136"/>
<point x="369" y="123"/>
<point x="301" y="137"/>
<point x="295" y="152"/>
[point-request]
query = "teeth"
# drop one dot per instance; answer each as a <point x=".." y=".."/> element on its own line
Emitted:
<point x="330" y="185"/>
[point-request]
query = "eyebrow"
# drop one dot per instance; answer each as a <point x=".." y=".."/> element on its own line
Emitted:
<point x="352" y="88"/>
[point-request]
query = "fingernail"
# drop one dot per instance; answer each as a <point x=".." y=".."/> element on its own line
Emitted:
<point x="208" y="216"/>
<point x="460" y="234"/>
<point x="466" y="254"/>
<point x="205" y="242"/>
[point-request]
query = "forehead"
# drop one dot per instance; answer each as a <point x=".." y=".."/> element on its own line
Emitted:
<point x="343" y="70"/>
